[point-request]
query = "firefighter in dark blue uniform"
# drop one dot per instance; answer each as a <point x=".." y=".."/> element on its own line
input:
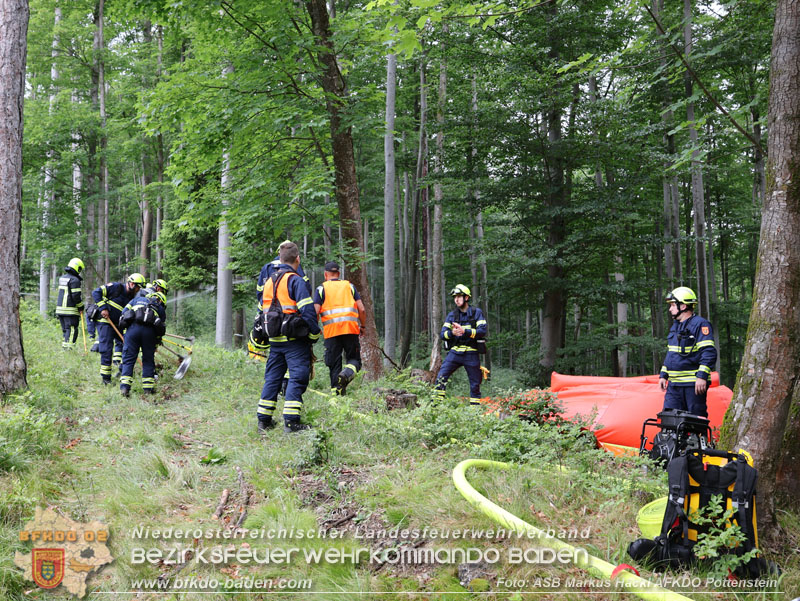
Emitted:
<point x="70" y="304"/>
<point x="144" y="320"/>
<point x="257" y="343"/>
<point x="464" y="334"/>
<point x="691" y="355"/>
<point x="288" y="353"/>
<point x="111" y="299"/>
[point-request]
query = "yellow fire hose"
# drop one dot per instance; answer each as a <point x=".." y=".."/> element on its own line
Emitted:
<point x="594" y="565"/>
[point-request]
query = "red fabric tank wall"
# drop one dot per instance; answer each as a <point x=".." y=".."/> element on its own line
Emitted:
<point x="622" y="404"/>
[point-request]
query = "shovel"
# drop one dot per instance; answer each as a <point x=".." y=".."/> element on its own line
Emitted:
<point x="185" y="362"/>
<point x="190" y="339"/>
<point x="186" y="348"/>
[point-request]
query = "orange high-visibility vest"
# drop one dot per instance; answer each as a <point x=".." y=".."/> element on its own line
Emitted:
<point x="338" y="311"/>
<point x="287" y="304"/>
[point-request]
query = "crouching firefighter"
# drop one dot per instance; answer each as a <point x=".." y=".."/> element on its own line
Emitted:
<point x="464" y="336"/>
<point x="111" y="299"/>
<point x="343" y="315"/>
<point x="291" y="324"/>
<point x="144" y="322"/>
<point x="69" y="304"/>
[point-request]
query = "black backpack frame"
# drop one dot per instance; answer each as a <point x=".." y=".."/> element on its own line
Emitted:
<point x="693" y="481"/>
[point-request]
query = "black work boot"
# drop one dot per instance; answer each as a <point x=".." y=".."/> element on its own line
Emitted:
<point x="125" y="390"/>
<point x="106" y="380"/>
<point x="291" y="427"/>
<point x="265" y="424"/>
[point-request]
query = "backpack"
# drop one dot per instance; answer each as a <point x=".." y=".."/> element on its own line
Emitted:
<point x="693" y="479"/>
<point x="93" y="313"/>
<point x="680" y="431"/>
<point x="277" y="323"/>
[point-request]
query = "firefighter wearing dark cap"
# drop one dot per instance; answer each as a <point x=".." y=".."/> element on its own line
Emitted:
<point x="342" y="312"/>
<point x="290" y="348"/>
<point x="691" y="355"/>
<point x="69" y="304"/>
<point x="464" y="335"/>
<point x="144" y="322"/>
<point x="111" y="299"/>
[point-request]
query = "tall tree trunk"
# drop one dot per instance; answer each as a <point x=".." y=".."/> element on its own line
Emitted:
<point x="99" y="46"/>
<point x="763" y="415"/>
<point x="224" y="330"/>
<point x="554" y="295"/>
<point x="159" y="165"/>
<point x="412" y="234"/>
<point x="13" y="36"/>
<point x="672" y="254"/>
<point x="389" y="314"/>
<point x="483" y="279"/>
<point x="436" y="239"/>
<point x="347" y="194"/>
<point x="147" y="217"/>
<point x="698" y="192"/>
<point x="48" y="194"/>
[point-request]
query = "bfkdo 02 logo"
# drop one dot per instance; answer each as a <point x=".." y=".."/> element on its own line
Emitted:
<point x="65" y="552"/>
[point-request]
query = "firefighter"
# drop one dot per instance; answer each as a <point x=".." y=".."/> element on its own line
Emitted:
<point x="158" y="285"/>
<point x="257" y="345"/>
<point x="341" y="309"/>
<point x="144" y="321"/>
<point x="464" y="334"/>
<point x="691" y="354"/>
<point x="69" y="305"/>
<point x="290" y="347"/>
<point x="111" y="299"/>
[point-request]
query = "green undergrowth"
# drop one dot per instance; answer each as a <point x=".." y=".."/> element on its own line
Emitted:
<point x="137" y="463"/>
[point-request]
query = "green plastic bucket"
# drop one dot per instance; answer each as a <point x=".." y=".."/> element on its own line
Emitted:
<point x="650" y="517"/>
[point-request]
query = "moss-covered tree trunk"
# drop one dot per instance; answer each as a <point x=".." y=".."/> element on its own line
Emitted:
<point x="762" y="417"/>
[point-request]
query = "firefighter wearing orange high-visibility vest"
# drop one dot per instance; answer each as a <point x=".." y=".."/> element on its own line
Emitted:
<point x="342" y="312"/>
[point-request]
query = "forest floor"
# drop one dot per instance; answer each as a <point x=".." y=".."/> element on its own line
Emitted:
<point x="366" y="482"/>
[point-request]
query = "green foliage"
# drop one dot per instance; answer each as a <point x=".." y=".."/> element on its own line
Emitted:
<point x="213" y="457"/>
<point x="718" y="544"/>
<point x="26" y="434"/>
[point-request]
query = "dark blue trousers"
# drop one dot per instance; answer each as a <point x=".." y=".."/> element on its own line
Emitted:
<point x="296" y="357"/>
<point x="472" y="364"/>
<point x="139" y="337"/>
<point x="69" y="328"/>
<point x="110" y="346"/>
<point x="686" y="399"/>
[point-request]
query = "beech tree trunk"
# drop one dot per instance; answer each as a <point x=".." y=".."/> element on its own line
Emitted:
<point x="763" y="415"/>
<point x="13" y="45"/>
<point x="698" y="192"/>
<point x="389" y="315"/>
<point x="224" y="330"/>
<point x="554" y="296"/>
<point x="412" y="227"/>
<point x="347" y="194"/>
<point x="436" y="255"/>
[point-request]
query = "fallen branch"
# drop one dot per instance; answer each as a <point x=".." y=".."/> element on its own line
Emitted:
<point x="222" y="502"/>
<point x="340" y="521"/>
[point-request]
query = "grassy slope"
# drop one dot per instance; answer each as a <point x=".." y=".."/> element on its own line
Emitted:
<point x="93" y="454"/>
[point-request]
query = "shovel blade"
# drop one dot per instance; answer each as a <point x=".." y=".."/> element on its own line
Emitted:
<point x="183" y="367"/>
